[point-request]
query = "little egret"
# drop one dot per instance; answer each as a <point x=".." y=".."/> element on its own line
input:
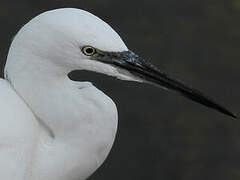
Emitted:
<point x="52" y="127"/>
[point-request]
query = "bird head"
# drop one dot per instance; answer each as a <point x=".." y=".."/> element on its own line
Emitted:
<point x="73" y="39"/>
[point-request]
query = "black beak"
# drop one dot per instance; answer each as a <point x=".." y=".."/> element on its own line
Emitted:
<point x="150" y="73"/>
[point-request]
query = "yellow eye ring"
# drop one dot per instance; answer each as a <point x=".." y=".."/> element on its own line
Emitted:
<point x="88" y="50"/>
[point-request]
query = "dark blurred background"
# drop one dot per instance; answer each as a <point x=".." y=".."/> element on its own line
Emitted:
<point x="162" y="135"/>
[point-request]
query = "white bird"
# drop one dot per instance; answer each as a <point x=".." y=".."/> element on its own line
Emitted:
<point x="52" y="127"/>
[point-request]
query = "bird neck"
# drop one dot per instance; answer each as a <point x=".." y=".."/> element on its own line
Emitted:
<point x="46" y="89"/>
<point x="33" y="80"/>
<point x="81" y="118"/>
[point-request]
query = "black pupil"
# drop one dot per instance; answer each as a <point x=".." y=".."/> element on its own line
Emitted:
<point x="89" y="50"/>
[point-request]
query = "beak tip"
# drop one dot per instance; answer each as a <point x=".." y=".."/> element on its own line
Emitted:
<point x="234" y="116"/>
<point x="226" y="112"/>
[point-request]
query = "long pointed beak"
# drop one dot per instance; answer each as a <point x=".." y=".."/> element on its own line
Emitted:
<point x="150" y="73"/>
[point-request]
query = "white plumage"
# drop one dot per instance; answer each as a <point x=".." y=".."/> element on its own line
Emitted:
<point x="51" y="127"/>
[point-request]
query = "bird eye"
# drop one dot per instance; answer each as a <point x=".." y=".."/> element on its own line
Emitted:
<point x="88" y="50"/>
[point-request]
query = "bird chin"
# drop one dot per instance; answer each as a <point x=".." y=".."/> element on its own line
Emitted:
<point x="127" y="76"/>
